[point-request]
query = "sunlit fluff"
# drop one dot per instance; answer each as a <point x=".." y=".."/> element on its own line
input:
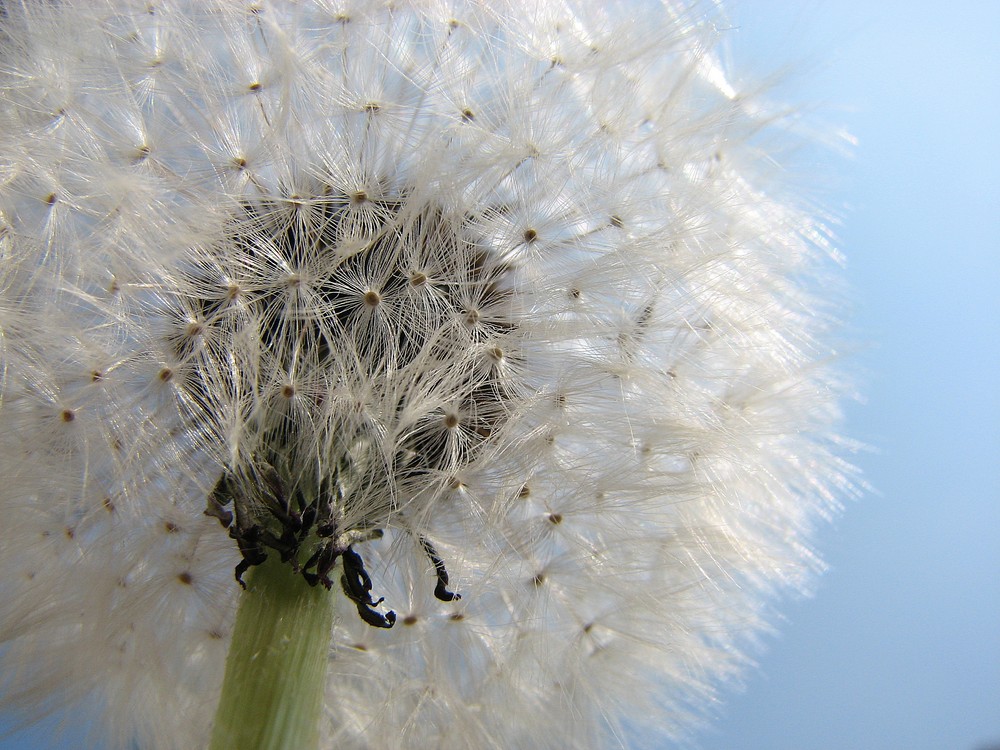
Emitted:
<point x="512" y="278"/>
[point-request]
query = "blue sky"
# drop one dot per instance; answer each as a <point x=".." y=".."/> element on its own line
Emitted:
<point x="900" y="648"/>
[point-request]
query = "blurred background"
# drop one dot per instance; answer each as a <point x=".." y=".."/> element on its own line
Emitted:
<point x="900" y="647"/>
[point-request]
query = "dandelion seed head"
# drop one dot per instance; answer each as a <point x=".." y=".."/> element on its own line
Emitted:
<point x="508" y="288"/>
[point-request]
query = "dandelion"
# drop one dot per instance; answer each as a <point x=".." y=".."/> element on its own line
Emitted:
<point x="408" y="373"/>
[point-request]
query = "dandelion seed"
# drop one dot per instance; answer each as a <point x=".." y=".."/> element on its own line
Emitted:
<point x="484" y="334"/>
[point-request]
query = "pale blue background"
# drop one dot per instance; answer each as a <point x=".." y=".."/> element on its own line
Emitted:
<point x="900" y="649"/>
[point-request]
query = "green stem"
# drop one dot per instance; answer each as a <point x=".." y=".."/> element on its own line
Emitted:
<point x="273" y="691"/>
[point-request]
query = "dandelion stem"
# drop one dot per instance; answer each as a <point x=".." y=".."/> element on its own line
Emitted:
<point x="274" y="685"/>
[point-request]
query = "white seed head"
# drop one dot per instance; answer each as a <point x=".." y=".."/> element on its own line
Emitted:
<point x="511" y="283"/>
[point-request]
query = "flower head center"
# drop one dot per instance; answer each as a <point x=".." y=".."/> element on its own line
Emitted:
<point x="342" y="389"/>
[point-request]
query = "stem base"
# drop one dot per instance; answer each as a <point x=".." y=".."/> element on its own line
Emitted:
<point x="273" y="690"/>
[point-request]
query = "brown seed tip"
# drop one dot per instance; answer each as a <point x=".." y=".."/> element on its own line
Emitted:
<point x="186" y="578"/>
<point x="372" y="298"/>
<point x="67" y="415"/>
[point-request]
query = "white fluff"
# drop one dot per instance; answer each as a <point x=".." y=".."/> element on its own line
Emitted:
<point x="660" y="436"/>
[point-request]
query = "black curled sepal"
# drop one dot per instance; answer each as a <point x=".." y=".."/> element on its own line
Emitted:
<point x="357" y="586"/>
